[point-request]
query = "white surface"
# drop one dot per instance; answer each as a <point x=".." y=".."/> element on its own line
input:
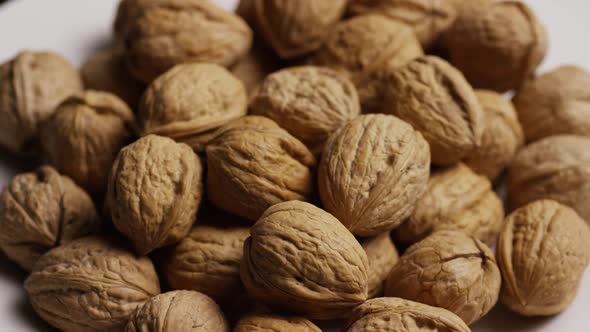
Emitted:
<point x="75" y="28"/>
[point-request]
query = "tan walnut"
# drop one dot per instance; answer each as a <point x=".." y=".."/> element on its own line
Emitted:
<point x="557" y="168"/>
<point x="436" y="100"/>
<point x="90" y="284"/>
<point x="41" y="210"/>
<point x="31" y="85"/>
<point x="382" y="256"/>
<point x="367" y="162"/>
<point x="154" y="192"/>
<point x="450" y="270"/>
<point x="85" y="134"/>
<point x="253" y="68"/>
<point x="309" y="102"/>
<point x="301" y="259"/>
<point x="274" y="323"/>
<point x="178" y="311"/>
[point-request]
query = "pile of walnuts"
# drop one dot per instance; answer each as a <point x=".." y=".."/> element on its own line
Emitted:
<point x="299" y="161"/>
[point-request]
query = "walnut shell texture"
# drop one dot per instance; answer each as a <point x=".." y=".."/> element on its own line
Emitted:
<point x="367" y="162"/>
<point x="300" y="258"/>
<point x="449" y="270"/>
<point x="90" y="284"/>
<point x="41" y="210"/>
<point x="382" y="256"/>
<point x="274" y="323"/>
<point x="542" y="252"/>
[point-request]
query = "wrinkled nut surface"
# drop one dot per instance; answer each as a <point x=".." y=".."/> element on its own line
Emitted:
<point x="449" y="270"/>
<point x="496" y="44"/>
<point x="367" y="162"/>
<point x="85" y="134"/>
<point x="309" y="102"/>
<point x="557" y="102"/>
<point x="155" y="189"/>
<point x="31" y="86"/>
<point x="390" y="314"/>
<point x="253" y="164"/>
<point x="546" y="282"/>
<point x="253" y="68"/>
<point x="365" y="48"/>
<point x="502" y="136"/>
<point x="382" y="256"/>
<point x="300" y="258"/>
<point x="90" y="284"/>
<point x="189" y="101"/>
<point x="178" y="311"/>
<point x="436" y="100"/>
<point x="274" y="323"/>
<point x="41" y="210"/>
<point x="556" y="168"/>
<point x="165" y="34"/>
<point x="456" y="199"/>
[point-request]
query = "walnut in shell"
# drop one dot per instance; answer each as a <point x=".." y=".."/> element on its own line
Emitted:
<point x="31" y="86"/>
<point x="274" y="323"/>
<point x="301" y="259"/>
<point x="253" y="68"/>
<point x="367" y="162"/>
<point x="382" y="256"/>
<point x="450" y="270"/>
<point x="154" y="192"/>
<point x="41" y="210"/>
<point x="90" y="284"/>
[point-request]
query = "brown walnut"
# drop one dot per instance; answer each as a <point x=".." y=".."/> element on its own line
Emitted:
<point x="253" y="68"/>
<point x="274" y="323"/>
<point x="382" y="256"/>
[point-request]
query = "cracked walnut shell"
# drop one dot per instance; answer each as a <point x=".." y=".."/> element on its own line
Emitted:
<point x="274" y="323"/>
<point x="382" y="256"/>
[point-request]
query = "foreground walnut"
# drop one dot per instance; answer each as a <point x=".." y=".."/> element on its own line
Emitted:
<point x="367" y="162"/>
<point x="449" y="270"/>
<point x="42" y="210"/>
<point x="90" y="284"/>
<point x="155" y="189"/>
<point x="270" y="323"/>
<point x="542" y="252"/>
<point x="277" y="269"/>
<point x="382" y="256"/>
<point x="31" y="86"/>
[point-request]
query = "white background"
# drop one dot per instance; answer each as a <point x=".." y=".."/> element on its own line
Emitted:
<point x="75" y="28"/>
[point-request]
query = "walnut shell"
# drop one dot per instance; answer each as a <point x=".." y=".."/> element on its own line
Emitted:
<point x="90" y="284"/>
<point x="41" y="210"/>
<point x="390" y="314"/>
<point x="274" y="323"/>
<point x="436" y="100"/>
<point x="557" y="168"/>
<point x="382" y="256"/>
<point x="367" y="162"/>
<point x="31" y="86"/>
<point x="555" y="103"/>
<point x="497" y="45"/>
<point x="502" y="136"/>
<point x="456" y="199"/>
<point x="542" y="252"/>
<point x="166" y="34"/>
<point x="85" y="134"/>
<point x="365" y="48"/>
<point x="450" y="270"/>
<point x="189" y="101"/>
<point x="178" y="311"/>
<point x="309" y="102"/>
<point x="155" y="189"/>
<point x="253" y="68"/>
<point x="300" y="258"/>
<point x="253" y="164"/>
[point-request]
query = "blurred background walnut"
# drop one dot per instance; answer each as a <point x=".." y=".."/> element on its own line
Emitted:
<point x="382" y="256"/>
<point x="267" y="323"/>
<point x="253" y="68"/>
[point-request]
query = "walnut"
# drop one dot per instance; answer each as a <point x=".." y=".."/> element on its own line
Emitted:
<point x="253" y="68"/>
<point x="496" y="44"/>
<point x="154" y="192"/>
<point x="390" y="314"/>
<point x="178" y="311"/>
<point x="449" y="270"/>
<point x="556" y="168"/>
<point x="31" y="86"/>
<point x="456" y="199"/>
<point x="502" y="136"/>
<point x="273" y="323"/>
<point x="367" y="162"/>
<point x="555" y="103"/>
<point x="83" y="136"/>
<point x="382" y="256"/>
<point x="300" y="258"/>
<point x="191" y="100"/>
<point x="41" y="210"/>
<point x="309" y="102"/>
<point x="436" y="100"/>
<point x="90" y="284"/>
<point x="365" y="48"/>
<point x="253" y="164"/>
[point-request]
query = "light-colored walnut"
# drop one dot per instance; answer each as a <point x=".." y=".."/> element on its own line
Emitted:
<point x="382" y="256"/>
<point x="274" y="323"/>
